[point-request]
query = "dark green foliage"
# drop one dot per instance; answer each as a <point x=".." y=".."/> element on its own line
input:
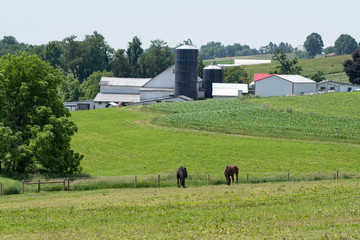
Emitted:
<point x="120" y="64"/>
<point x="34" y="127"/>
<point x="9" y="44"/>
<point x="156" y="59"/>
<point x="134" y="52"/>
<point x="90" y="87"/>
<point x="314" y="44"/>
<point x="318" y="77"/>
<point x="345" y="44"/>
<point x="271" y="47"/>
<point x="214" y="50"/>
<point x="352" y="67"/>
<point x="11" y="190"/>
<point x="200" y="67"/>
<point x="236" y="75"/>
<point x="329" y="50"/>
<point x="286" y="66"/>
<point x="70" y="89"/>
<point x="52" y="53"/>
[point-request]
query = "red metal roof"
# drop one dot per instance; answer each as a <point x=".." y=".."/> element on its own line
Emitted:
<point x="259" y="76"/>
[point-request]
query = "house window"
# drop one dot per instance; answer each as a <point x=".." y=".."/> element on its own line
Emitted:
<point x="322" y="88"/>
<point x="332" y="88"/>
<point x="349" y="89"/>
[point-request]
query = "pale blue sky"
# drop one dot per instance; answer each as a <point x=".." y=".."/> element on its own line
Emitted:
<point x="251" y="22"/>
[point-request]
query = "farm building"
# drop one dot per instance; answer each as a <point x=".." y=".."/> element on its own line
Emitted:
<point x="228" y="90"/>
<point x="130" y="91"/>
<point x="282" y="85"/>
<point x="326" y="86"/>
<point x="79" y="106"/>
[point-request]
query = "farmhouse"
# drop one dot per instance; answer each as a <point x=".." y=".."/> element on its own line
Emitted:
<point x="282" y="85"/>
<point x="228" y="90"/>
<point x="326" y="86"/>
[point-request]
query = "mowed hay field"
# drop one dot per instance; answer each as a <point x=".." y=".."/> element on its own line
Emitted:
<point x="290" y="210"/>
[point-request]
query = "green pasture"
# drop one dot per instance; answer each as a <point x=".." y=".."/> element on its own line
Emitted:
<point x="294" y="210"/>
<point x="332" y="67"/>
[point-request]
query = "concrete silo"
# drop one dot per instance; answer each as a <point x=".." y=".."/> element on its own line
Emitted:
<point x="212" y="74"/>
<point x="186" y="71"/>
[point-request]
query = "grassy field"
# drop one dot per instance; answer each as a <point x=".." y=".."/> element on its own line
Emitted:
<point x="301" y="210"/>
<point x="240" y="116"/>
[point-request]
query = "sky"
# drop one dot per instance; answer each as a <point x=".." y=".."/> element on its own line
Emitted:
<point x="253" y="22"/>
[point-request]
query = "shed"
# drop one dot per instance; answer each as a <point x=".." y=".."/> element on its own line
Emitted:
<point x="325" y="86"/>
<point x="282" y="85"/>
<point x="228" y="90"/>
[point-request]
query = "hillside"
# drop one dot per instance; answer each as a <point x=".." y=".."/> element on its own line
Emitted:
<point x="329" y="66"/>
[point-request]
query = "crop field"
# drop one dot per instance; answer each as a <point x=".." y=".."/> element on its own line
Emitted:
<point x="240" y="116"/>
<point x="296" y="210"/>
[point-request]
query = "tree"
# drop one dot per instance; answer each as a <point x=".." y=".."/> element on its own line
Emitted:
<point x="286" y="66"/>
<point x="134" y="52"/>
<point x="345" y="44"/>
<point x="52" y="53"/>
<point x="200" y="67"/>
<point x="90" y="87"/>
<point x="236" y="74"/>
<point x="35" y="130"/>
<point x="156" y="59"/>
<point x="318" y="77"/>
<point x="120" y="64"/>
<point x="314" y="44"/>
<point x="70" y="89"/>
<point x="352" y="67"/>
<point x="329" y="50"/>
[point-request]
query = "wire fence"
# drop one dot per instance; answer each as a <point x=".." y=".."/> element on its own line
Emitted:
<point x="162" y="180"/>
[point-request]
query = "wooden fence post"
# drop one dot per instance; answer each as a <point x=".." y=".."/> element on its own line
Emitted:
<point x="23" y="187"/>
<point x="0" y="188"/>
<point x="208" y="179"/>
<point x="337" y="174"/>
<point x="135" y="181"/>
<point x="38" y="185"/>
<point x="158" y="180"/>
<point x="64" y="184"/>
<point x="334" y="176"/>
<point x="247" y="178"/>
<point x="68" y="185"/>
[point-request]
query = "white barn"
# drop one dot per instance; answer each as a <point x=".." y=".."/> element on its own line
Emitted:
<point x="228" y="90"/>
<point x="282" y="85"/>
<point x="130" y="91"/>
<point x="326" y="86"/>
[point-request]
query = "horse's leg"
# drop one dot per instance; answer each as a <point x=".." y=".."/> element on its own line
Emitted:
<point x="232" y="177"/>
<point x="178" y="182"/>
<point x="183" y="183"/>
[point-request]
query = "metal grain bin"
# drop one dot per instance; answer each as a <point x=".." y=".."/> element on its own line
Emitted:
<point x="186" y="71"/>
<point x="212" y="74"/>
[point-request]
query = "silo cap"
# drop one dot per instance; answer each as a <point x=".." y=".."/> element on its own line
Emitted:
<point x="187" y="47"/>
<point x="213" y="67"/>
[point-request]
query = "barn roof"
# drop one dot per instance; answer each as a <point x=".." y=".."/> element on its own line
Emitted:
<point x="106" y="97"/>
<point x="130" y="82"/>
<point x="259" y="76"/>
<point x="290" y="78"/>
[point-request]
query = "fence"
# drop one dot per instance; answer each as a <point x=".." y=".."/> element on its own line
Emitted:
<point x="169" y="180"/>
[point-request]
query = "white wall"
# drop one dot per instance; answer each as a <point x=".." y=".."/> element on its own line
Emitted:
<point x="273" y="86"/>
<point x="166" y="79"/>
<point x="145" y="95"/>
<point x="300" y="88"/>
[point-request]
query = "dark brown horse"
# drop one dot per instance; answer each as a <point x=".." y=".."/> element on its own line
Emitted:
<point x="229" y="172"/>
<point x="181" y="174"/>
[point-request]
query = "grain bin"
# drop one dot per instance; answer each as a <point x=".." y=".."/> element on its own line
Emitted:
<point x="212" y="74"/>
<point x="186" y="71"/>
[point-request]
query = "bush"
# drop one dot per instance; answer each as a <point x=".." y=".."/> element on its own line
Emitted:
<point x="11" y="190"/>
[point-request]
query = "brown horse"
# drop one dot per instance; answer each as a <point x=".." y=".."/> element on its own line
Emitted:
<point x="229" y="172"/>
<point x="181" y="174"/>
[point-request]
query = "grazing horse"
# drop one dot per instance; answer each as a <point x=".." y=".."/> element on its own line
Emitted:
<point x="181" y="174"/>
<point x="229" y="172"/>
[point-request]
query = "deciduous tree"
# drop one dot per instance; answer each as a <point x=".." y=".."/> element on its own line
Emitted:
<point x="345" y="44"/>
<point x="35" y="130"/>
<point x="286" y="66"/>
<point x="314" y="44"/>
<point x="236" y="74"/>
<point x="352" y="67"/>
